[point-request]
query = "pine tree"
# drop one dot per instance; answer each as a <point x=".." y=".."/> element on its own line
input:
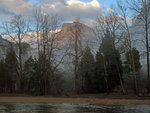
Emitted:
<point x="132" y="66"/>
<point x="100" y="76"/>
<point x="108" y="67"/>
<point x="44" y="75"/>
<point x="11" y="68"/>
<point x="136" y="58"/>
<point x="28" y="72"/>
<point x="3" y="76"/>
<point x="86" y="70"/>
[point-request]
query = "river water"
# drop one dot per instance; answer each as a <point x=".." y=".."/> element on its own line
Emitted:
<point x="69" y="108"/>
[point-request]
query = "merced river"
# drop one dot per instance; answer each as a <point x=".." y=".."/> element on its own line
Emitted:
<point x="69" y="108"/>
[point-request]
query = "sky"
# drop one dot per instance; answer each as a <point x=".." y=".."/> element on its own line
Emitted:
<point x="105" y="3"/>
<point x="66" y="9"/>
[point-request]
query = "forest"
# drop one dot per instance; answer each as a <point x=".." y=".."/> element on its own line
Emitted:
<point x="115" y="67"/>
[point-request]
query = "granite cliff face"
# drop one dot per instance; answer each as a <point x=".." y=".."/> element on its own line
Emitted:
<point x="70" y="30"/>
<point x="85" y="34"/>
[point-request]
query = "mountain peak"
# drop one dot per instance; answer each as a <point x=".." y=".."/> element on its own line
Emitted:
<point x="68" y="30"/>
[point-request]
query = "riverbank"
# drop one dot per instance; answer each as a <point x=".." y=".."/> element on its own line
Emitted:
<point x="60" y="100"/>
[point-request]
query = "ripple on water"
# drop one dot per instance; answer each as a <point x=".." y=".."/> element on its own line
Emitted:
<point x="69" y="108"/>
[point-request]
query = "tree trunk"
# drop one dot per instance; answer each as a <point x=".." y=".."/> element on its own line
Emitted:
<point x="147" y="53"/>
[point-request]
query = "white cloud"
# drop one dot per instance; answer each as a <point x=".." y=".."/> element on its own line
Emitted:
<point x="83" y="5"/>
<point x="110" y="10"/>
<point x="130" y="21"/>
<point x="73" y="8"/>
<point x="15" y="6"/>
<point x="79" y="6"/>
<point x="67" y="9"/>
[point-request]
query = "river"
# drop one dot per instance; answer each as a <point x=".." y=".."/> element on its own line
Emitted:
<point x="69" y="108"/>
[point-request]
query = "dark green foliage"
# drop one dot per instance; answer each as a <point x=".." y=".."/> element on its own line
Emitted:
<point x="39" y="77"/>
<point x="86" y="70"/>
<point x="107" y="59"/>
<point x="3" y="76"/>
<point x="29" y="75"/>
<point x="44" y="74"/>
<point x="9" y="70"/>
<point x="132" y="61"/>
<point x="11" y="67"/>
<point x="131" y="69"/>
<point x="99" y="80"/>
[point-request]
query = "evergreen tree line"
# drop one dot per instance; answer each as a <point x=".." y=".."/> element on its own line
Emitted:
<point x="32" y="82"/>
<point x="106" y="72"/>
<point x="96" y="75"/>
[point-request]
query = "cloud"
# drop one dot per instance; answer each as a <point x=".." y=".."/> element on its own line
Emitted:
<point x="110" y="10"/>
<point x="73" y="8"/>
<point x="79" y="6"/>
<point x="15" y="6"/>
<point x="67" y="9"/>
<point x="82" y="5"/>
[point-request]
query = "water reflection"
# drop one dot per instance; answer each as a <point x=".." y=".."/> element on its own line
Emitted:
<point x="69" y="108"/>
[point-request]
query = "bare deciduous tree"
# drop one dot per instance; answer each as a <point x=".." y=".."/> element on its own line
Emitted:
<point x="141" y="10"/>
<point x="17" y="28"/>
<point x="128" y="42"/>
<point x="48" y="45"/>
